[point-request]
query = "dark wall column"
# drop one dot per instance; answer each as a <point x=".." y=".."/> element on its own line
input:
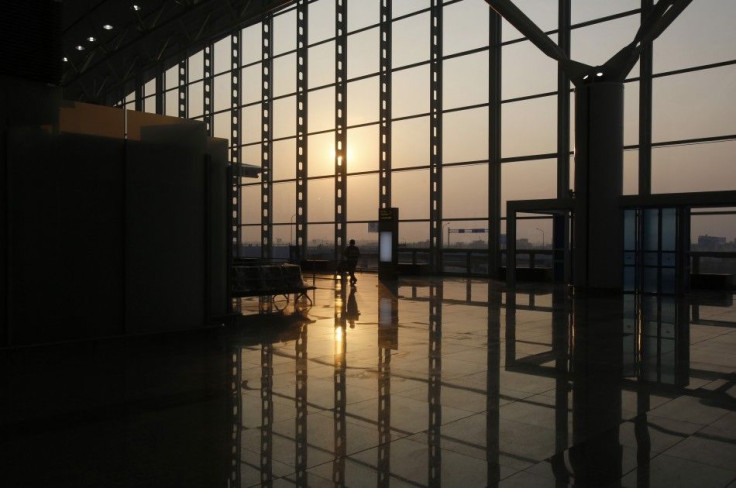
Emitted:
<point x="599" y="185"/>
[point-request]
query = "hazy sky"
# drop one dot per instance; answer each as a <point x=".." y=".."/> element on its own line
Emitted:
<point x="691" y="105"/>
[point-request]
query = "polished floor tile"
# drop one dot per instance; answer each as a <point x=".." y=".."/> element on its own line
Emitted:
<point x="425" y="382"/>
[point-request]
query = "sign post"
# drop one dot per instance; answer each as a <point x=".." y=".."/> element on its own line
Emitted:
<point x="388" y="243"/>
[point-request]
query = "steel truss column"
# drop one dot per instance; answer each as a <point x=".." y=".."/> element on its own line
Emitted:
<point x="384" y="417"/>
<point x="266" y="414"/>
<point x="645" y="109"/>
<point x="207" y="98"/>
<point x="160" y="92"/>
<point x="435" y="137"/>
<point x="341" y="118"/>
<point x="340" y="398"/>
<point x="266" y="133"/>
<point x="434" y="393"/>
<point x="235" y="150"/>
<point x="182" y="89"/>
<point x="236" y="370"/>
<point x="384" y="197"/>
<point x="302" y="127"/>
<point x="563" y="103"/>
<point x="301" y="408"/>
<point x="494" y="145"/>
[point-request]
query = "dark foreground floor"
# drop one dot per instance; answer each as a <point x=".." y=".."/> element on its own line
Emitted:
<point x="448" y="382"/>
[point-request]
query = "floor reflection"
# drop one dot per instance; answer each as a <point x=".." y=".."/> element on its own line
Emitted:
<point x="426" y="382"/>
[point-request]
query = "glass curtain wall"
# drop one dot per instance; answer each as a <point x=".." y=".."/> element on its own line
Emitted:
<point x="352" y="105"/>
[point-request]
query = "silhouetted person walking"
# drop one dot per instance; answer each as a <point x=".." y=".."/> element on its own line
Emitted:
<point x="351" y="255"/>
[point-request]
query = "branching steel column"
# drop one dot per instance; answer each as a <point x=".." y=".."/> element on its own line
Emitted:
<point x="494" y="145"/>
<point x="160" y="92"/>
<point x="207" y="98"/>
<point x="182" y="90"/>
<point x="302" y="127"/>
<point x="434" y="393"/>
<point x="301" y="408"/>
<point x="341" y="119"/>
<point x="435" y="138"/>
<point x="384" y="197"/>
<point x="563" y="103"/>
<point x="266" y="414"/>
<point x="645" y="109"/>
<point x="266" y="132"/>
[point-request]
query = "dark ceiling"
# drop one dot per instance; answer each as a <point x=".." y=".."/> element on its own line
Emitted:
<point x="111" y="45"/>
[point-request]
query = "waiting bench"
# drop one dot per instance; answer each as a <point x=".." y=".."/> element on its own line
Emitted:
<point x="271" y="280"/>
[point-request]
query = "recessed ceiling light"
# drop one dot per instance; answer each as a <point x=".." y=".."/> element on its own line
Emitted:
<point x="599" y="74"/>
<point x="79" y="47"/>
<point x="65" y="59"/>
<point x="91" y="39"/>
<point x="136" y="7"/>
<point x="107" y="27"/>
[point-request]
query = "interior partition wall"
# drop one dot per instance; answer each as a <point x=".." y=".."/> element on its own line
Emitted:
<point x="444" y="110"/>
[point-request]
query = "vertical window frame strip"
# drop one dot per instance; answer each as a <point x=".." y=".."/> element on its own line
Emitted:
<point x="207" y="100"/>
<point x="645" y="108"/>
<point x="563" y="101"/>
<point x="384" y="197"/>
<point x="266" y="136"/>
<point x="494" y="144"/>
<point x="435" y="170"/>
<point x="341" y="109"/>
<point x="302" y="125"/>
<point x="160" y="91"/>
<point x="182" y="89"/>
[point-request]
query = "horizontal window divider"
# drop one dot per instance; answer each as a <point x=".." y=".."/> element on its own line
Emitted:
<point x="699" y="140"/>
<point x="531" y="97"/>
<point x="691" y="69"/>
<point x="532" y="157"/>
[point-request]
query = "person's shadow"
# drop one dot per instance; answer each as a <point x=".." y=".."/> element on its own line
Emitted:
<point x="351" y="312"/>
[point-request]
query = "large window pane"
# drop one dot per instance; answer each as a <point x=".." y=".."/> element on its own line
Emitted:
<point x="222" y="126"/>
<point x="410" y="40"/>
<point x="702" y="167"/>
<point x="321" y="155"/>
<point x="251" y="83"/>
<point x="363" y="149"/>
<point x="528" y="180"/>
<point x="321" y="203"/>
<point x="465" y="191"/>
<point x="223" y="57"/>
<point x="413" y="234"/>
<point x="363" y="52"/>
<point x="594" y="9"/>
<point x="465" y="80"/>
<point x="321" y="69"/>
<point x="698" y="104"/>
<point x="702" y="34"/>
<point x="363" y="14"/>
<point x="526" y="71"/>
<point x="284" y="117"/>
<point x="221" y="88"/>
<point x="541" y="12"/>
<point x="363" y="197"/>
<point x="465" y="136"/>
<point x="321" y="114"/>
<point x="464" y="26"/>
<point x="195" y="103"/>
<point x="363" y="103"/>
<point x="284" y="159"/>
<point x="410" y="92"/>
<point x="405" y="7"/>
<point x="321" y="20"/>
<point x="284" y="201"/>
<point x="250" y="120"/>
<point x="410" y="143"/>
<point x="284" y="32"/>
<point x="595" y="44"/>
<point x="195" y="67"/>
<point x="251" y="50"/>
<point x="529" y="127"/>
<point x="284" y="75"/>
<point x="250" y="204"/>
<point x="410" y="193"/>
